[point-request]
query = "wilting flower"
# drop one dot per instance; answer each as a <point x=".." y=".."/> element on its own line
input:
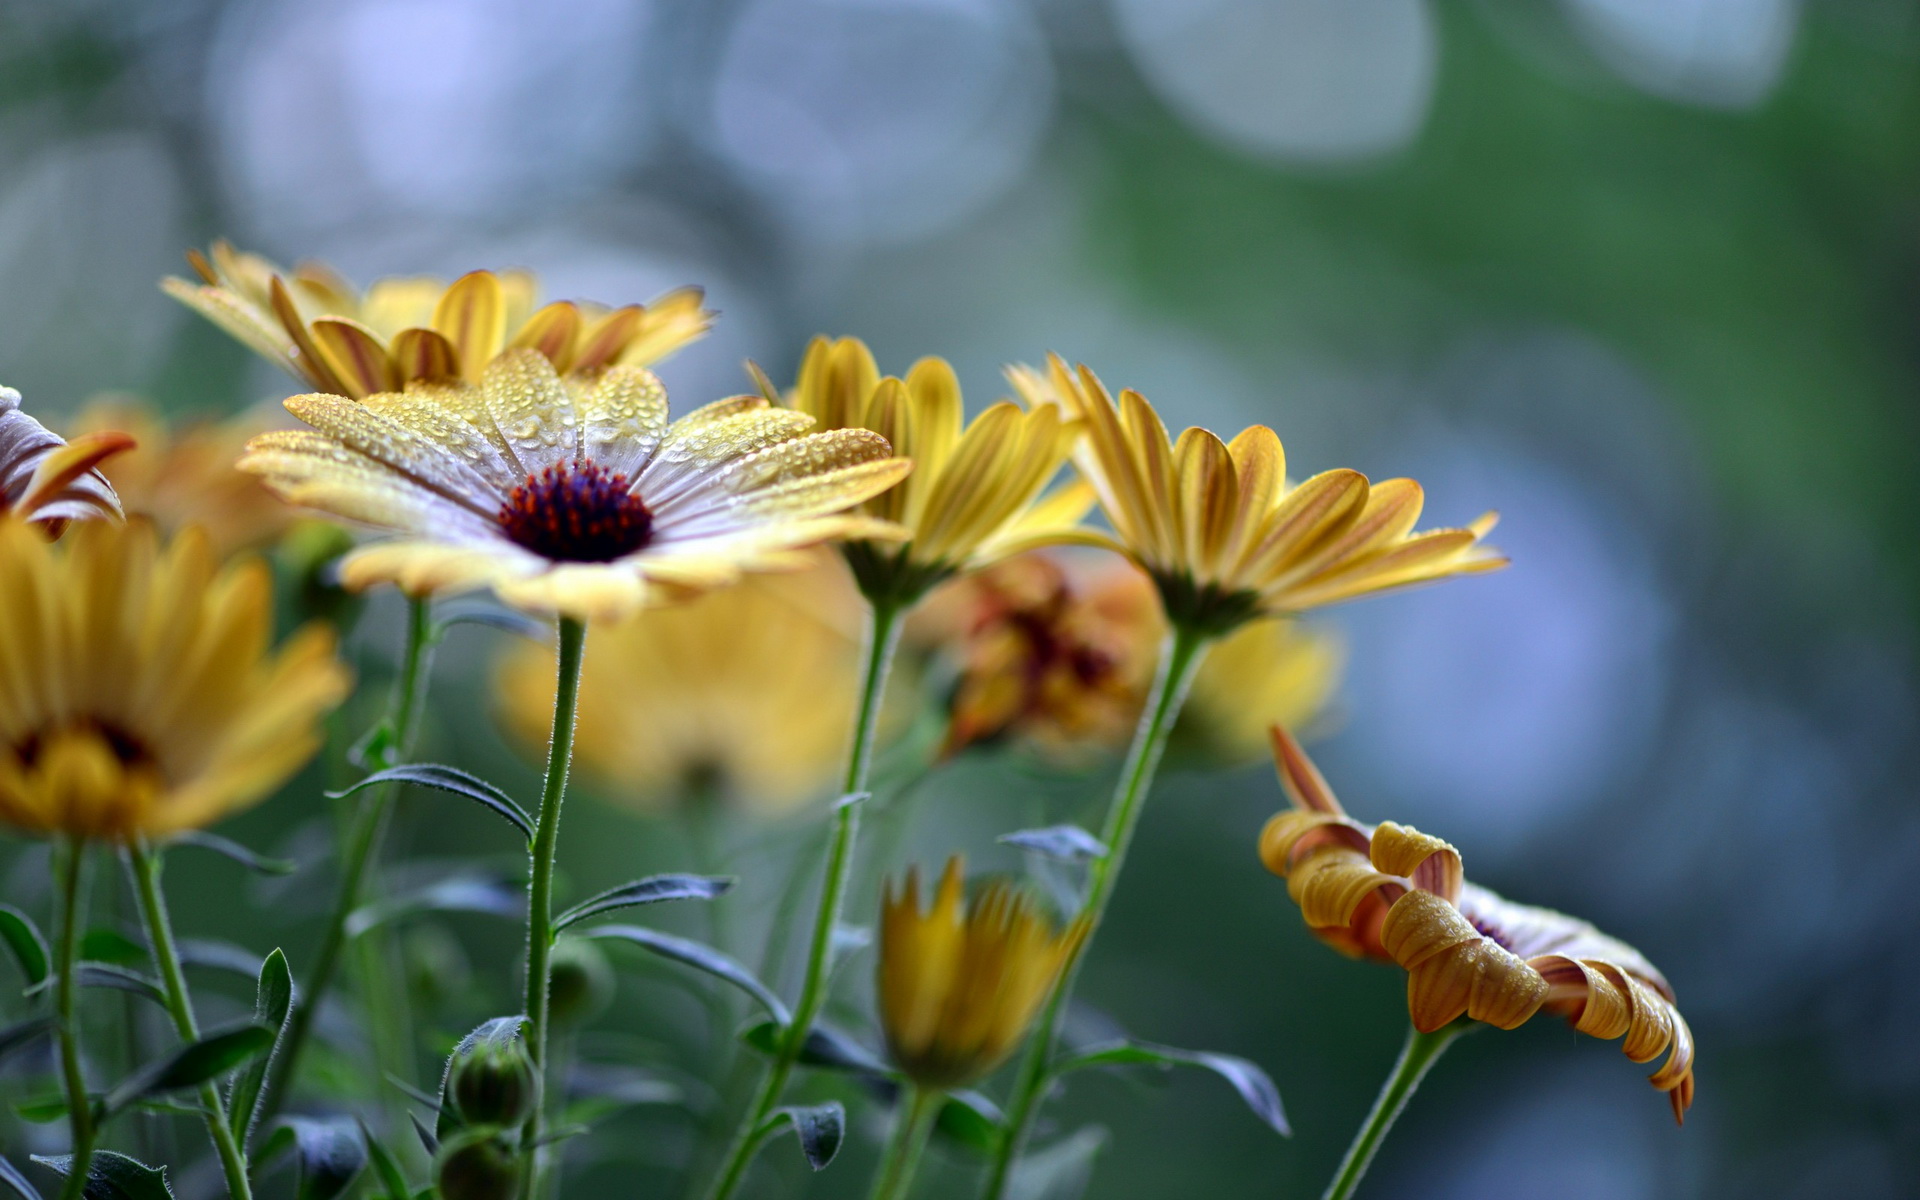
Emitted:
<point x="353" y="343"/>
<point x="1221" y="530"/>
<point x="48" y="481"/>
<point x="572" y="496"/>
<point x="139" y="693"/>
<point x="184" y="475"/>
<point x="1059" y="654"/>
<point x="1390" y="892"/>
<point x="745" y="693"/>
<point x="974" y="495"/>
<point x="958" y="991"/>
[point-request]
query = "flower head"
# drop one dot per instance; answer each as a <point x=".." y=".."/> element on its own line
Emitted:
<point x="957" y="990"/>
<point x="49" y="481"/>
<point x="746" y="692"/>
<point x="974" y="495"/>
<point x="1391" y="892"/>
<point x="183" y="474"/>
<point x="139" y="694"/>
<point x="1222" y="532"/>
<point x="353" y="343"/>
<point x="1059" y="655"/>
<point x="572" y="496"/>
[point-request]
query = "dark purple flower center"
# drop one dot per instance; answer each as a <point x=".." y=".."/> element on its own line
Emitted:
<point x="1491" y="932"/>
<point x="577" y="512"/>
<point x="128" y="749"/>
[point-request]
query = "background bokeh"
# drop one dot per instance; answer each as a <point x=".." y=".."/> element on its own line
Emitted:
<point x="1642" y="274"/>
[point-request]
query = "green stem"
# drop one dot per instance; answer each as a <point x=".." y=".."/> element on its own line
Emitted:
<point x="546" y="838"/>
<point x="912" y="1125"/>
<point x="145" y="865"/>
<point x="362" y="848"/>
<point x="1420" y="1053"/>
<point x="883" y="638"/>
<point x="1181" y="659"/>
<point x="66" y="954"/>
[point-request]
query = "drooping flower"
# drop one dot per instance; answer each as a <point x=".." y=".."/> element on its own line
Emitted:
<point x="1220" y="529"/>
<point x="974" y="495"/>
<point x="353" y="343"/>
<point x="49" y="481"/>
<point x="572" y="496"/>
<point x="139" y="692"/>
<point x="1058" y="654"/>
<point x="1393" y="893"/>
<point x="183" y="474"/>
<point x="745" y="693"/>
<point x="958" y="990"/>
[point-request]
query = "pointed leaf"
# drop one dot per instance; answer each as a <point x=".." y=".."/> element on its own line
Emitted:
<point x="462" y="893"/>
<point x="112" y="946"/>
<point x="450" y="779"/>
<point x="191" y="1065"/>
<point x="974" y="1121"/>
<point x="331" y="1153"/>
<point x="426" y="1136"/>
<point x="820" y="1127"/>
<point x="23" y="938"/>
<point x="272" y="1005"/>
<point x="700" y="956"/>
<point x="252" y="861"/>
<point x="392" y="1179"/>
<point x="109" y="975"/>
<point x="651" y="890"/>
<point x="11" y="1176"/>
<point x="113" y="1176"/>
<point x="1063" y="843"/>
<point x="826" y="1047"/>
<point x="1247" y="1078"/>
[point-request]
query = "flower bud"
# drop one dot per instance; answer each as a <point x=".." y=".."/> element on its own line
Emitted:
<point x="476" y="1164"/>
<point x="580" y="982"/>
<point x="491" y="1080"/>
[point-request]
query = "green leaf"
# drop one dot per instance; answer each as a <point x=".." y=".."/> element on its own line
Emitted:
<point x="272" y="1005"/>
<point x="820" y="1127"/>
<point x="1254" y="1084"/>
<point x="111" y="946"/>
<point x="258" y="863"/>
<point x="331" y="1153"/>
<point x="113" y="1176"/>
<point x="216" y="955"/>
<point x="651" y="890"/>
<point x="23" y="938"/>
<point x="701" y="957"/>
<point x="426" y="1135"/>
<point x="43" y="1109"/>
<point x="191" y="1065"/>
<point x="377" y="747"/>
<point x="449" y="779"/>
<point x="108" y="975"/>
<point x="15" y="1037"/>
<point x="482" y="894"/>
<point x="972" y="1120"/>
<point x="385" y="1166"/>
<point x="11" y="1176"/>
<point x="826" y="1047"/>
<point x="1063" y="843"/>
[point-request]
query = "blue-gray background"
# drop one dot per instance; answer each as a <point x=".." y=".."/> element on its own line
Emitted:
<point x="1642" y="274"/>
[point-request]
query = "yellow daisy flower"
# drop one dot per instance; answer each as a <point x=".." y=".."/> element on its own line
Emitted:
<point x="181" y="475"/>
<point x="1221" y="530"/>
<point x="353" y="343"/>
<point x="974" y="495"/>
<point x="48" y="481"/>
<point x="572" y="496"/>
<point x="139" y="694"/>
<point x="957" y="993"/>
<point x="747" y="692"/>
<point x="1390" y="892"/>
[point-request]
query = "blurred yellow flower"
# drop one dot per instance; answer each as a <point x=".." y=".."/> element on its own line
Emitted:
<point x="184" y="475"/>
<point x="139" y="694"/>
<point x="49" y="481"/>
<point x="353" y="343"/>
<point x="974" y="495"/>
<point x="746" y="692"/>
<point x="1220" y="529"/>
<point x="572" y="496"/>
<point x="1391" y="892"/>
<point x="958" y="992"/>
<point x="1059" y="654"/>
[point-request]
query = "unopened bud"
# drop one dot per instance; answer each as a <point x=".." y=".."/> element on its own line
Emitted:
<point x="580" y="982"/>
<point x="476" y="1164"/>
<point x="491" y="1080"/>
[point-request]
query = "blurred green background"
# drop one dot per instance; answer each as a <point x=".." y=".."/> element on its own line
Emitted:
<point x="1642" y="274"/>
